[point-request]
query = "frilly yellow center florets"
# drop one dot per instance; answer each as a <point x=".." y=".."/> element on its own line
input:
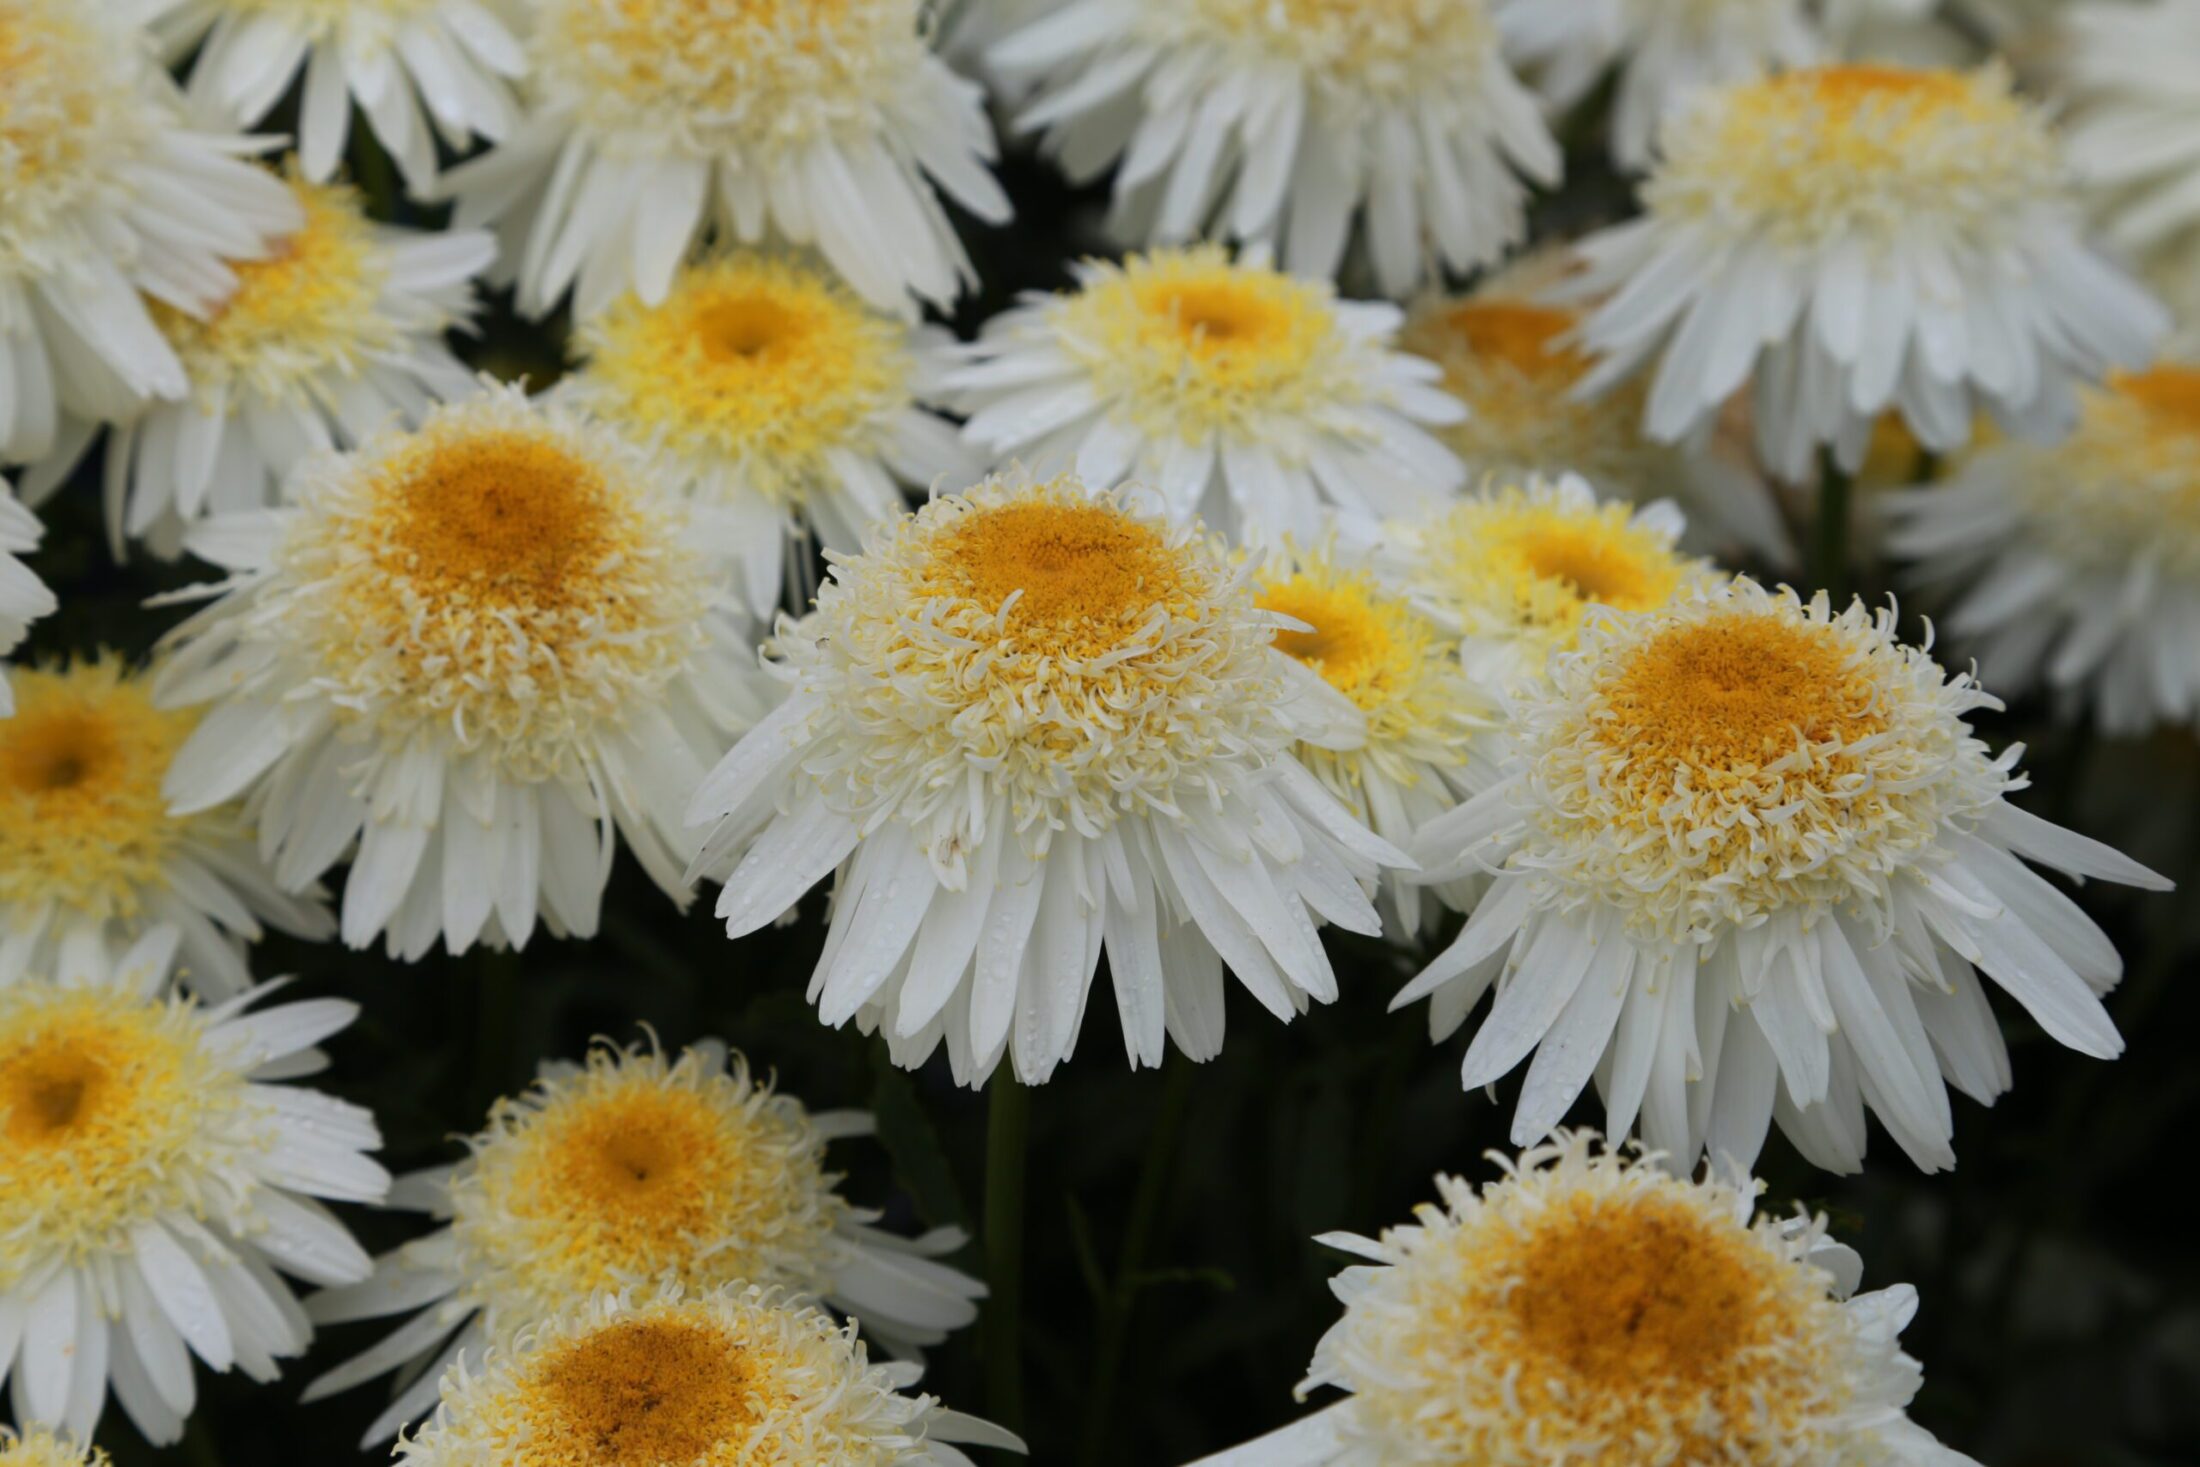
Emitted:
<point x="1363" y="644"/>
<point x="1384" y="47"/>
<point x="1065" y="578"/>
<point x="44" y="1449"/>
<point x="2125" y="484"/>
<point x="641" y="1393"/>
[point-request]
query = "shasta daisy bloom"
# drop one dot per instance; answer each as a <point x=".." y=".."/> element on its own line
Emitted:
<point x="633" y="1167"/>
<point x="2133" y="133"/>
<point x="44" y="1449"/>
<point x="1846" y="239"/>
<point x="1665" y="50"/>
<point x="1750" y="861"/>
<point x="1514" y="569"/>
<point x="111" y="199"/>
<point x="1484" y="1331"/>
<point x="1507" y="357"/>
<point x="825" y="125"/>
<point x="728" y="1378"/>
<point x="779" y="397"/>
<point x="338" y="332"/>
<point x="1029" y="723"/>
<point x="1427" y="726"/>
<point x="474" y="649"/>
<point x="23" y="597"/>
<point x="1282" y="120"/>
<point x="2079" y="562"/>
<point x="154" y="1179"/>
<point x="1245" y="396"/>
<point x="418" y="69"/>
<point x="95" y="858"/>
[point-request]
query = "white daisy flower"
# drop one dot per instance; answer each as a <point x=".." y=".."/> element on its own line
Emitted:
<point x="1028" y="723"/>
<point x="94" y="856"/>
<point x="1750" y="861"/>
<point x="1665" y="50"/>
<point x="333" y="336"/>
<point x="112" y="199"/>
<point x="778" y="396"/>
<point x="418" y="69"/>
<point x="1427" y="726"/>
<point x="23" y="597"/>
<point x="154" y="1180"/>
<point x="44" y="1449"/>
<point x="1847" y="239"/>
<point x="1483" y="1331"/>
<point x="1244" y="396"/>
<point x="824" y="125"/>
<point x="2133" y="130"/>
<point x="1514" y="570"/>
<point x="632" y="1167"/>
<point x="1508" y="358"/>
<point x="2079" y="562"/>
<point x="1283" y="120"/>
<point x="473" y="650"/>
<point x="730" y="1378"/>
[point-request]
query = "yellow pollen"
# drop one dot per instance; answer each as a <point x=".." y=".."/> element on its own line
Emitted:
<point x="641" y="1393"/>
<point x="1084" y="576"/>
<point x="82" y="820"/>
<point x="1350" y="644"/>
<point x="1593" y="564"/>
<point x="1521" y="335"/>
<point x="2170" y="394"/>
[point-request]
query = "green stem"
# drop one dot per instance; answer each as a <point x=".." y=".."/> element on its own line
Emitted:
<point x="198" y="1443"/>
<point x="1115" y="1311"/>
<point x="1829" y="561"/>
<point x="1008" y="1124"/>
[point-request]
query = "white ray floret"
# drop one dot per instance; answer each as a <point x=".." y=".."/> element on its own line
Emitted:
<point x="1304" y="123"/>
<point x="1749" y="862"/>
<point x="833" y="126"/>
<point x="2133" y="132"/>
<point x="1849" y="240"/>
<point x="24" y="598"/>
<point x="473" y="652"/>
<point x="157" y="1182"/>
<point x="1028" y="724"/>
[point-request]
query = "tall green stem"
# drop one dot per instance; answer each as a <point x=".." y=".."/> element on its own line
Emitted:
<point x="1829" y="559"/>
<point x="1008" y="1126"/>
<point x="1115" y="1311"/>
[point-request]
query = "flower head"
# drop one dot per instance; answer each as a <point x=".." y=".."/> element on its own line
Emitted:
<point x="1850" y="238"/>
<point x="778" y="395"/>
<point x="153" y="1178"/>
<point x="1241" y="394"/>
<point x="1489" y="1330"/>
<point x="633" y="1168"/>
<point x="1280" y="120"/>
<point x="1749" y="850"/>
<point x="817" y="124"/>
<point x="475" y="647"/>
<point x="1029" y="721"/>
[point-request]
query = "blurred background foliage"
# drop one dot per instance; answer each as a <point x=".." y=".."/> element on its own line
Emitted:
<point x="1173" y="1291"/>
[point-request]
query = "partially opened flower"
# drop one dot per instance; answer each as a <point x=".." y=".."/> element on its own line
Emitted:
<point x="1846" y="239"/>
<point x="1289" y="120"/>
<point x="2133" y="132"/>
<point x="419" y="70"/>
<point x="1030" y="723"/>
<point x="472" y="651"/>
<point x="154" y="1179"/>
<point x="1427" y="726"/>
<point x="23" y="597"/>
<point x="112" y="200"/>
<point x="95" y="858"/>
<point x="1664" y="50"/>
<point x="634" y="1167"/>
<point x="2077" y="563"/>
<point x="337" y="333"/>
<point x="779" y="397"/>
<point x="1514" y="569"/>
<point x="1590" y="1307"/>
<point x="1751" y="862"/>
<point x="1245" y="396"/>
<point x="44" y="1449"/>
<point x="730" y="1378"/>
<point x="825" y="125"/>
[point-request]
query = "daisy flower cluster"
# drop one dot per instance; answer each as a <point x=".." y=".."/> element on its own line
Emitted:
<point x="1046" y="512"/>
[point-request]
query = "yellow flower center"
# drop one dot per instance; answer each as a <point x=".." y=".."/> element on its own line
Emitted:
<point x="1083" y="577"/>
<point x="59" y="122"/>
<point x="2126" y="483"/>
<point x="43" y="1449"/>
<point x="2170" y="394"/>
<point x="1524" y="337"/>
<point x="309" y="307"/>
<point x="1353" y="642"/>
<point x="103" y="1101"/>
<point x="762" y="362"/>
<point x="82" y="819"/>
<point x="640" y="1393"/>
<point x="1381" y="46"/>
